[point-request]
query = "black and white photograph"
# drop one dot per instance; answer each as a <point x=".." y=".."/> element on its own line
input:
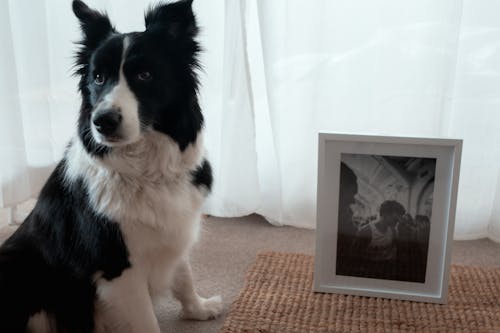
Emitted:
<point x="385" y="214"/>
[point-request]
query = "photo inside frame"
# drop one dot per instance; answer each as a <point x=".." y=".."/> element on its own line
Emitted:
<point x="385" y="212"/>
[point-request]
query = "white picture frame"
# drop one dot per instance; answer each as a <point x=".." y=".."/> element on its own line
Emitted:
<point x="359" y="252"/>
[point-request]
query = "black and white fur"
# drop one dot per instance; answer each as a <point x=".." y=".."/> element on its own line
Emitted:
<point x="113" y="225"/>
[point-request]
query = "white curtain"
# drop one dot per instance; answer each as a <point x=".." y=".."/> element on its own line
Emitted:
<point x="276" y="73"/>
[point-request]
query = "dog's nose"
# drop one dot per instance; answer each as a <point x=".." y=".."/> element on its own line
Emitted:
<point x="106" y="122"/>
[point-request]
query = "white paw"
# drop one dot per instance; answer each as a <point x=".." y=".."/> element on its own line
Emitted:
<point x="206" y="308"/>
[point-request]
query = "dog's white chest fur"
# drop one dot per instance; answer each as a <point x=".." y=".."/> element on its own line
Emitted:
<point x="145" y="187"/>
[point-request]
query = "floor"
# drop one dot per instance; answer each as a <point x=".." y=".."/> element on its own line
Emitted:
<point x="228" y="246"/>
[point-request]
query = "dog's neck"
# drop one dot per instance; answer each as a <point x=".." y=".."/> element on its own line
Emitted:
<point x="154" y="156"/>
<point x="154" y="152"/>
<point x="130" y="182"/>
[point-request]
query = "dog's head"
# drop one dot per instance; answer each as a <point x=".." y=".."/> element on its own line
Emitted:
<point x="136" y="82"/>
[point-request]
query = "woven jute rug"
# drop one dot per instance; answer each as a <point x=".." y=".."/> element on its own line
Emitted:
<point x="278" y="298"/>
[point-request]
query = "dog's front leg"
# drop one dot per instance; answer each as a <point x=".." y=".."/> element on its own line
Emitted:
<point x="193" y="305"/>
<point x="124" y="304"/>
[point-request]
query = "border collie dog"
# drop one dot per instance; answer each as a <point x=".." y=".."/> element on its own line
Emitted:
<point x="113" y="225"/>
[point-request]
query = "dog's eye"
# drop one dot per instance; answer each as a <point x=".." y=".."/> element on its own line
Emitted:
<point x="99" y="79"/>
<point x="144" y="76"/>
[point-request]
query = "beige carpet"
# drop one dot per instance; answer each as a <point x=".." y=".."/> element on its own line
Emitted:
<point x="227" y="248"/>
<point x="277" y="298"/>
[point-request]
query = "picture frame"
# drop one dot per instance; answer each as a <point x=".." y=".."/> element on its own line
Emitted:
<point x="385" y="215"/>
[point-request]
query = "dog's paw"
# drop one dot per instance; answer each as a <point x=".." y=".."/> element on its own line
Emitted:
<point x="206" y="308"/>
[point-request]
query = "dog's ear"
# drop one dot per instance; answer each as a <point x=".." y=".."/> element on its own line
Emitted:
<point x="177" y="18"/>
<point x="95" y="25"/>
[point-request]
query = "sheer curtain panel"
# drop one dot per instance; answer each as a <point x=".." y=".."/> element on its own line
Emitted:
<point x="275" y="73"/>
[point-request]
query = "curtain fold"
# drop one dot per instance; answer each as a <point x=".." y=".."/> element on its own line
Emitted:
<point x="236" y="190"/>
<point x="275" y="73"/>
<point x="15" y="184"/>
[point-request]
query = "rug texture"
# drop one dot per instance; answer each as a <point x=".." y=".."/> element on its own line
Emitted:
<point x="278" y="297"/>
